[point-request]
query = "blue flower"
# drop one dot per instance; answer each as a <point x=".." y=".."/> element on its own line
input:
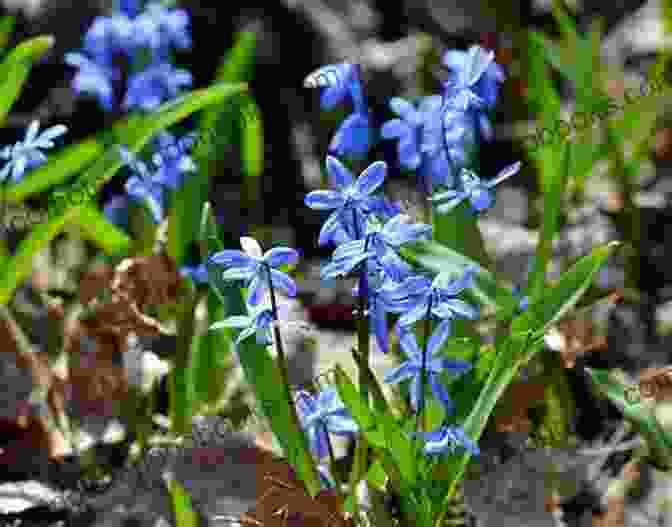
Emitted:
<point x="475" y="76"/>
<point x="252" y="266"/>
<point x="378" y="281"/>
<point x="108" y="36"/>
<point x="171" y="159"/>
<point x="198" y="273"/>
<point x="412" y="369"/>
<point x="326" y="414"/>
<point x="381" y="242"/>
<point x="155" y="84"/>
<point x="258" y="322"/>
<point x="408" y="129"/>
<point x="353" y="137"/>
<point x="351" y="199"/>
<point x="447" y="439"/>
<point x="437" y="148"/>
<point x="158" y="27"/>
<point x="418" y="297"/>
<point x="342" y="83"/>
<point x="142" y="186"/>
<point x="129" y="7"/>
<point x="94" y="78"/>
<point x="474" y="189"/>
<point x="25" y="155"/>
<point x="524" y="302"/>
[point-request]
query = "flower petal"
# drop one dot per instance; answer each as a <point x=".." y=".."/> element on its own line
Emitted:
<point x="371" y="179"/>
<point x="324" y="200"/>
<point x="251" y="247"/>
<point x="256" y="289"/>
<point x="281" y="256"/>
<point x="401" y="373"/>
<point x="340" y="175"/>
<point x="231" y="257"/>
<point x="284" y="282"/>
<point x="394" y="128"/>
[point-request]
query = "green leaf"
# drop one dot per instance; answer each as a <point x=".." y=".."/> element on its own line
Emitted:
<point x="185" y="515"/>
<point x="555" y="302"/>
<point x="96" y="227"/>
<point x="458" y="230"/>
<point x="553" y="192"/>
<point x="15" y="68"/>
<point x="660" y="443"/>
<point x="360" y="411"/>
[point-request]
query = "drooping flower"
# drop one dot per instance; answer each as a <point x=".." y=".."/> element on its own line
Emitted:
<point x="434" y="366"/>
<point x="155" y="84"/>
<point x="322" y="415"/>
<point x="351" y="199"/>
<point x="253" y="266"/>
<point x="341" y="83"/>
<point x="26" y="155"/>
<point x="474" y="77"/>
<point x="447" y="439"/>
<point x="476" y="190"/>
<point x="407" y="129"/>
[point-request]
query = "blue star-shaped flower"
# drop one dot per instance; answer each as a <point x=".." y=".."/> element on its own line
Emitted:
<point x="322" y="415"/>
<point x="412" y="369"/>
<point x="155" y="84"/>
<point x="447" y="439"/>
<point x="351" y="199"/>
<point x="25" y="155"/>
<point x="474" y="189"/>
<point x="258" y="322"/>
<point x="94" y="78"/>
<point x="418" y="297"/>
<point x="380" y="242"/>
<point x="252" y="266"/>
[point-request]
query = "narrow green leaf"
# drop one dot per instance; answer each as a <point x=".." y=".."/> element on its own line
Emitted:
<point x="553" y="193"/>
<point x="360" y="411"/>
<point x="96" y="228"/>
<point x="556" y="301"/>
<point x="660" y="444"/>
<point x="15" y="68"/>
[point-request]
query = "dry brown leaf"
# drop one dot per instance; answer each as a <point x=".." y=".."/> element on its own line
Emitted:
<point x="282" y="497"/>
<point x="512" y="416"/>
<point x="656" y="383"/>
<point x="580" y="338"/>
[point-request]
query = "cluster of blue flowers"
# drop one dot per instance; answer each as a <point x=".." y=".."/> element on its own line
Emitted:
<point x="368" y="231"/>
<point x="143" y="40"/>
